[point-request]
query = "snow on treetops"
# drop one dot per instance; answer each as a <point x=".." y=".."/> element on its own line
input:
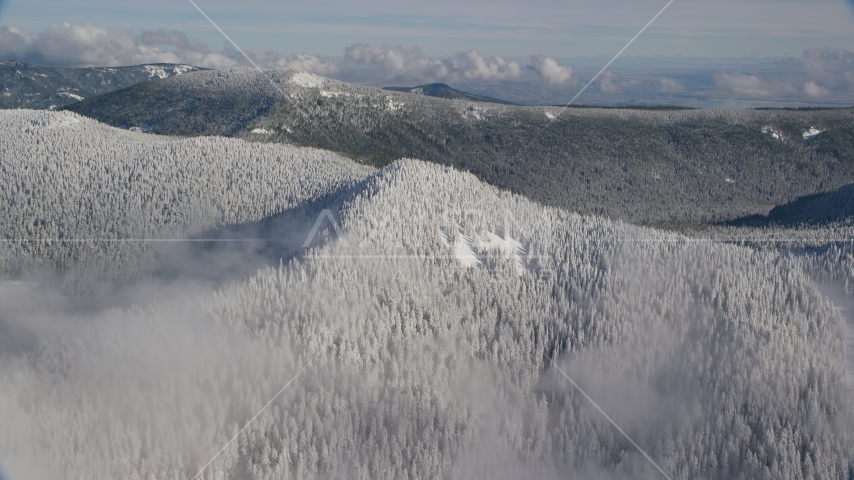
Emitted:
<point x="720" y="360"/>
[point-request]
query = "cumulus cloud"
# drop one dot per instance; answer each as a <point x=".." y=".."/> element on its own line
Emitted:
<point x="669" y="85"/>
<point x="499" y="69"/>
<point x="610" y="84"/>
<point x="299" y="61"/>
<point x="816" y="73"/>
<point x="820" y="59"/>
<point x="742" y="84"/>
<point x="398" y="61"/>
<point x="59" y="42"/>
<point x="827" y="70"/>
<point x="550" y="70"/>
<point x="813" y="89"/>
<point x="71" y="45"/>
<point x="174" y="38"/>
<point x="401" y="62"/>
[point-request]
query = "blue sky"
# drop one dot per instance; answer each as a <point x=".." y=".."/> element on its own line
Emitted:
<point x="497" y="27"/>
<point x="441" y="32"/>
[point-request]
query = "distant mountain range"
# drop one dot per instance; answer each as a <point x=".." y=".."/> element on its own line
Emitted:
<point x="23" y="85"/>
<point x="440" y="90"/>
<point x="653" y="167"/>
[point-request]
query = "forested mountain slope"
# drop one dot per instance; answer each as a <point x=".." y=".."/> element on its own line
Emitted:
<point x="720" y="361"/>
<point x="69" y="182"/>
<point x="24" y="85"/>
<point x="643" y="166"/>
<point x="816" y="209"/>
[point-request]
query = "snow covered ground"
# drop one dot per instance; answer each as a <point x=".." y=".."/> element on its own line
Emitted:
<point x="162" y="72"/>
<point x="307" y="80"/>
<point x="811" y="132"/>
<point x="61" y="120"/>
<point x="72" y="96"/>
<point x="775" y="134"/>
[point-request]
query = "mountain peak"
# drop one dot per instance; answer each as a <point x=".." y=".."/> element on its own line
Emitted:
<point x="442" y="90"/>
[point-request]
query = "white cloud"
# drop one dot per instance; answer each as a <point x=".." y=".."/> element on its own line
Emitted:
<point x="550" y="70"/>
<point x="820" y="59"/>
<point x="66" y="44"/>
<point x="398" y="61"/>
<point x="827" y="70"/>
<point x="609" y="84"/>
<point x="401" y="62"/>
<point x="742" y="84"/>
<point x="299" y="61"/>
<point x="813" y="89"/>
<point x="477" y="67"/>
<point x="70" y="45"/>
<point x="816" y="73"/>
<point x="76" y="45"/>
<point x="173" y="38"/>
<point x="668" y="85"/>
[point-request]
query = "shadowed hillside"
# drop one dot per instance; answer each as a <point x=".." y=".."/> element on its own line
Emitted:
<point x="816" y="209"/>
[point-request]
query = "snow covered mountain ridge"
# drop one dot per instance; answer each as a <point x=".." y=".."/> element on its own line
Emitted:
<point x="693" y="165"/>
<point x="721" y="361"/>
<point x="23" y="85"/>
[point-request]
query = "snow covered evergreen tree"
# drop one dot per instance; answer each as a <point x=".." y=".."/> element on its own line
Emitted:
<point x="424" y="339"/>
